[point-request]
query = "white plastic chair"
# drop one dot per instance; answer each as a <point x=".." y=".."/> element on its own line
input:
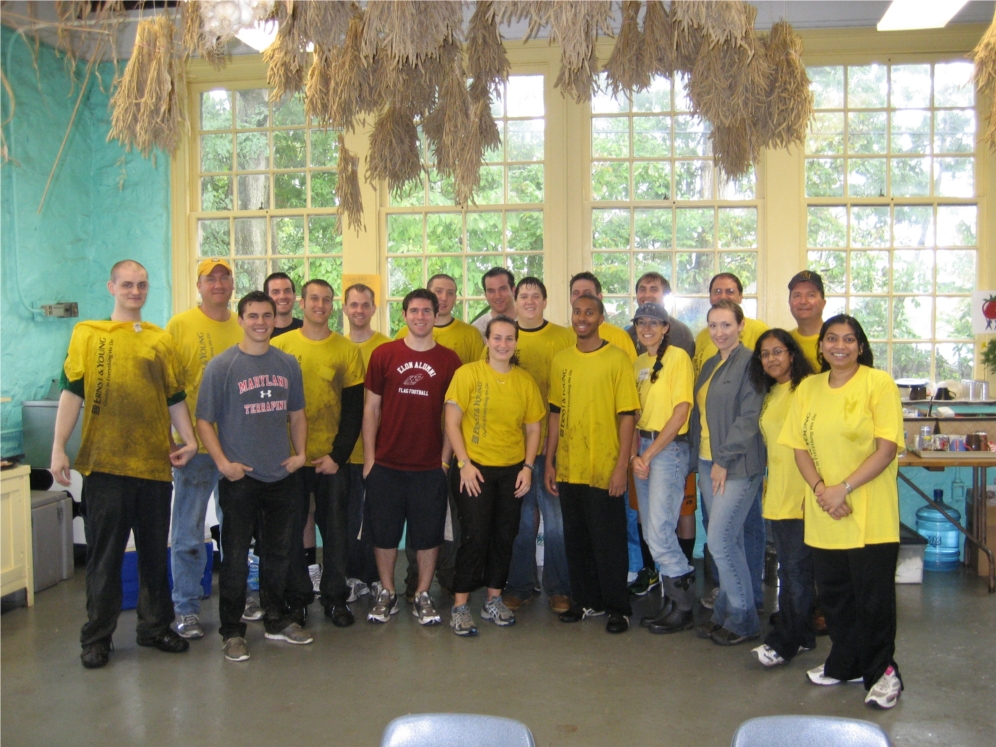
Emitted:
<point x="809" y="731"/>
<point x="456" y="730"/>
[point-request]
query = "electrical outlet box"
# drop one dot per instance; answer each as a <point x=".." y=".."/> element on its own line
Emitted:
<point x="63" y="309"/>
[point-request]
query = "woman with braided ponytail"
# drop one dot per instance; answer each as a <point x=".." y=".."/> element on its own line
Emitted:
<point x="660" y="461"/>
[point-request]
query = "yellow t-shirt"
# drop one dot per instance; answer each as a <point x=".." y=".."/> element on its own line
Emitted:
<point x="705" y="445"/>
<point x="366" y="350"/>
<point x="674" y="385"/>
<point x="704" y="348"/>
<point x="618" y="337"/>
<point x="785" y="488"/>
<point x="808" y="345"/>
<point x="327" y="367"/>
<point x="536" y="348"/>
<point x="495" y="406"/>
<point x="460" y="337"/>
<point x="129" y="370"/>
<point x="838" y="428"/>
<point x="198" y="339"/>
<point x="591" y="389"/>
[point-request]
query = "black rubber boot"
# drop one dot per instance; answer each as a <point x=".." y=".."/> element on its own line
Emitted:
<point x="667" y="605"/>
<point x="680" y="591"/>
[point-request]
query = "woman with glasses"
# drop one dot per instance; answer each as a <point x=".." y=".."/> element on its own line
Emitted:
<point x="777" y="368"/>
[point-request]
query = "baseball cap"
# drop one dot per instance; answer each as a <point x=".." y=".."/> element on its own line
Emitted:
<point x="652" y="311"/>
<point x="206" y="265"/>
<point x="807" y="276"/>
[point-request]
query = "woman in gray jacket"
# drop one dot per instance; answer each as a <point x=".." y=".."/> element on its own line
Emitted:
<point x="731" y="458"/>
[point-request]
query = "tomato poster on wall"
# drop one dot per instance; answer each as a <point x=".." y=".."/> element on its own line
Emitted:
<point x="984" y="313"/>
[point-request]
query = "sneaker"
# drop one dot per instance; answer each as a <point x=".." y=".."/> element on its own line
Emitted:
<point x="236" y="649"/>
<point x="188" y="626"/>
<point x="709" y="600"/>
<point x="885" y="692"/>
<point x="817" y="677"/>
<point x="462" y="621"/>
<point x="357" y="589"/>
<point x="577" y="613"/>
<point x="253" y="612"/>
<point x="496" y="611"/>
<point x="375" y="589"/>
<point x="385" y="606"/>
<point x="291" y="634"/>
<point x="167" y="641"/>
<point x="646" y="580"/>
<point x="424" y="611"/>
<point x="96" y="654"/>
<point x="768" y="656"/>
<point x="724" y="637"/>
<point x="340" y="614"/>
<point x="315" y="571"/>
<point x="558" y="603"/>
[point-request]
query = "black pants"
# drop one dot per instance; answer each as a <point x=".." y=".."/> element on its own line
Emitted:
<point x="332" y="520"/>
<point x="489" y="523"/>
<point x="274" y="505"/>
<point x="597" y="553"/>
<point x="114" y="506"/>
<point x="857" y="593"/>
<point x="794" y="624"/>
<point x="360" y="561"/>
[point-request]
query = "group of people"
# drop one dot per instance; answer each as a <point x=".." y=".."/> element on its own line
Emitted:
<point x="458" y="437"/>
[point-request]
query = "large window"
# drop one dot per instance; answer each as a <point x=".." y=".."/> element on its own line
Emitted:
<point x="267" y="189"/>
<point x="659" y="203"/>
<point x="427" y="234"/>
<point x="891" y="208"/>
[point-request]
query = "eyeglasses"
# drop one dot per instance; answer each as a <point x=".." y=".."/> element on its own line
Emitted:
<point x="773" y="353"/>
<point x="642" y="322"/>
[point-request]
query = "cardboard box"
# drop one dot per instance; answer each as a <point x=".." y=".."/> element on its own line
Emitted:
<point x="986" y="534"/>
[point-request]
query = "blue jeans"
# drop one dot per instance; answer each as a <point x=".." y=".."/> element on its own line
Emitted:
<point x="660" y="497"/>
<point x="192" y="487"/>
<point x="633" y="549"/>
<point x="361" y="563"/>
<point x="734" y="608"/>
<point x="794" y="623"/>
<point x="754" y="547"/>
<point x="522" y="571"/>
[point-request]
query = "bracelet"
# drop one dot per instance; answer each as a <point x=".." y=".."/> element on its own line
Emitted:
<point x="847" y="487"/>
<point x="817" y="483"/>
<point x="446" y="465"/>
<point x="528" y="466"/>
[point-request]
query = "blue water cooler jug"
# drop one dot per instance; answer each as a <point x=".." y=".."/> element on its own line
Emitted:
<point x="943" y="552"/>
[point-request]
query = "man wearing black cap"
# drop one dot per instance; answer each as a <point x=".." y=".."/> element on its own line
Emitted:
<point x="806" y="302"/>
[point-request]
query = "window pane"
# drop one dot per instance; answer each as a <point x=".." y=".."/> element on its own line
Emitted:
<point x="910" y="177"/>
<point x="827" y="84"/>
<point x="442" y="190"/>
<point x="692" y="311"/>
<point x="323" y="237"/>
<point x="695" y="228"/>
<point x="477" y="265"/>
<point x="216" y="110"/>
<point x="956" y="225"/>
<point x="525" y="183"/>
<point x="491" y="190"/>
<point x="827" y="226"/>
<point x="216" y="152"/>
<point x="652" y="262"/>
<point x="484" y="232"/>
<point x="617" y="311"/>
<point x="954" y="318"/>
<point x="443" y="232"/>
<point x="525" y="140"/>
<point x="911" y="317"/>
<point x="866" y="86"/>
<point x="328" y="269"/>
<point x="216" y="193"/>
<point x="213" y="238"/>
<point x="693" y="180"/>
<point x="956" y="271"/>
<point x="913" y="225"/>
<point x="249" y="275"/>
<point x="323" y="185"/>
<point x="652" y="137"/>
<point x="525" y="96"/>
<point x="824" y="177"/>
<point x="913" y="271"/>
<point x="826" y="134"/>
<point x="451" y="265"/>
<point x="866" y="177"/>
<point x="404" y="234"/>
<point x="652" y="180"/>
<point x="953" y="84"/>
<point x="910" y="360"/>
<point x="610" y="229"/>
<point x="737" y="228"/>
<point x="524" y="231"/>
<point x="954" y="177"/>
<point x="404" y="273"/>
<point x="656" y="98"/>
<point x="287" y="235"/>
<point x="954" y="360"/>
<point x="252" y="108"/>
<point x="288" y="149"/>
<point x="253" y="151"/>
<point x="832" y="267"/>
<point x="610" y="137"/>
<point x="525" y="265"/>
<point x="289" y="111"/>
<point x="609" y="181"/>
<point x="910" y="86"/>
<point x="411" y="195"/>
<point x="866" y="132"/>
<point x="744" y="266"/>
<point x="869" y="272"/>
<point x="250" y="237"/>
<point x="873" y="313"/>
<point x="652" y="228"/>
<point x="691" y="137"/>
<point x="694" y="270"/>
<point x="869" y="226"/>
<point x="289" y="190"/>
<point x="911" y="131"/>
<point x="324" y="148"/>
<point x="737" y="188"/>
<point x="612" y="269"/>
<point x="954" y="131"/>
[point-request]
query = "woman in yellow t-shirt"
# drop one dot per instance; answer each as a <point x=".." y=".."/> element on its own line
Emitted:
<point x="777" y="368"/>
<point x="493" y="414"/>
<point x="660" y="461"/>
<point x="846" y="427"/>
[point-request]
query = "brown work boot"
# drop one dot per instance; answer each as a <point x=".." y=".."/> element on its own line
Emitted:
<point x="558" y="603"/>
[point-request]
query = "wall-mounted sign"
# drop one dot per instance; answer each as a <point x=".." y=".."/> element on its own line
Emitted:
<point x="984" y="313"/>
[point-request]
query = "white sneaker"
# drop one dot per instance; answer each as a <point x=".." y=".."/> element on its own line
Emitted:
<point x="357" y="589"/>
<point x="885" y="692"/>
<point x="709" y="600"/>
<point x="424" y="610"/>
<point x="768" y="656"/>
<point x="315" y="571"/>
<point x="817" y="677"/>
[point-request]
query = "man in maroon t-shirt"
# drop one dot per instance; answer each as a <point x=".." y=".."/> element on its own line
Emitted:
<point x="406" y="453"/>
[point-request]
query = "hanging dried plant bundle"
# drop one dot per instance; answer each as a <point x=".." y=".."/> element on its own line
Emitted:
<point x="287" y="57"/>
<point x="352" y="90"/>
<point x="68" y="13"/>
<point x="536" y="12"/>
<point x="721" y="21"/>
<point x="347" y="189"/>
<point x="449" y="122"/>
<point x="658" y="40"/>
<point x="487" y="63"/>
<point x="575" y="24"/>
<point x="627" y="70"/>
<point x="317" y="93"/>
<point x="734" y="147"/>
<point x="482" y="135"/>
<point x="325" y="22"/>
<point x="579" y="83"/>
<point x="984" y="56"/>
<point x="394" y="154"/>
<point x="148" y="103"/>
<point x="789" y="106"/>
<point x="193" y="39"/>
<point x="688" y="41"/>
<point x="408" y="31"/>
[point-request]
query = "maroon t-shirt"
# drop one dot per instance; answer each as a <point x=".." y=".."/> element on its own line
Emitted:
<point x="413" y="385"/>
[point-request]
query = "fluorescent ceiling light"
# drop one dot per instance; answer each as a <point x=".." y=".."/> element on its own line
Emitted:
<point x="260" y="35"/>
<point x="919" y="14"/>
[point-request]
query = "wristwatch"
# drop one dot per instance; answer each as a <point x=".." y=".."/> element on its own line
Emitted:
<point x="461" y="464"/>
<point x="527" y="465"/>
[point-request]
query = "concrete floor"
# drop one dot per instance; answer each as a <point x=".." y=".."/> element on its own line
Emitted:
<point x="572" y="684"/>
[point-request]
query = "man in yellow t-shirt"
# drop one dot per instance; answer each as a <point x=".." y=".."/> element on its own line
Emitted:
<point x="359" y="305"/>
<point x="586" y="284"/>
<point x="539" y="341"/>
<point x="127" y="373"/>
<point x="450" y="332"/>
<point x="200" y="334"/>
<point x="806" y="302"/>
<point x="593" y="403"/>
<point x="727" y="285"/>
<point x="332" y="371"/>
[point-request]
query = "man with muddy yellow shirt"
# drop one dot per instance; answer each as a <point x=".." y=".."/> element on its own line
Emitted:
<point x="127" y="374"/>
<point x="200" y="334"/>
<point x="332" y="370"/>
